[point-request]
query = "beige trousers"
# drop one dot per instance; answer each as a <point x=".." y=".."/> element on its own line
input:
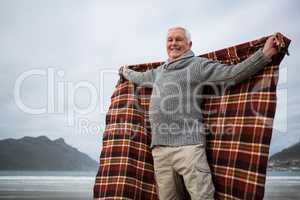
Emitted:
<point x="176" y="167"/>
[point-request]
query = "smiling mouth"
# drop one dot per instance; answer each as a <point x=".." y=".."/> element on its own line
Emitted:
<point x="174" y="50"/>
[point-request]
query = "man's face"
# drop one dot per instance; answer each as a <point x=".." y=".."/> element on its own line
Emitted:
<point x="177" y="43"/>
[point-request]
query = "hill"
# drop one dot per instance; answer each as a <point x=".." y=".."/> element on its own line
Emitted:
<point x="287" y="159"/>
<point x="41" y="153"/>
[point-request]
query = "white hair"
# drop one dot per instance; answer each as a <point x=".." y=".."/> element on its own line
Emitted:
<point x="186" y="32"/>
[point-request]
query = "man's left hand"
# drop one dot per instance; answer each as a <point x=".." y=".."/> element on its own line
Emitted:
<point x="271" y="46"/>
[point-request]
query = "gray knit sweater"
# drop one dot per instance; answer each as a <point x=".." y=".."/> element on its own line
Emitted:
<point x="174" y="110"/>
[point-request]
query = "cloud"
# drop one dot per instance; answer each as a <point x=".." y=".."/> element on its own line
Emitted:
<point x="86" y="38"/>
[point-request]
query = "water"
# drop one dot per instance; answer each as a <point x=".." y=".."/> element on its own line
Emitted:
<point x="284" y="185"/>
<point x="78" y="185"/>
<point x="46" y="185"/>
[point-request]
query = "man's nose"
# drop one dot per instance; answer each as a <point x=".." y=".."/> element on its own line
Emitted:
<point x="174" y="42"/>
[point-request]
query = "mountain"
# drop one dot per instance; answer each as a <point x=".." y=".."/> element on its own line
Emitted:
<point x="281" y="140"/>
<point x="290" y="153"/>
<point x="41" y="153"/>
<point x="287" y="159"/>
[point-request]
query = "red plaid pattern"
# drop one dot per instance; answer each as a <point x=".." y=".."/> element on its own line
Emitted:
<point x="239" y="118"/>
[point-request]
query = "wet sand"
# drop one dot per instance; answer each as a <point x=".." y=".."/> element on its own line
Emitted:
<point x="277" y="188"/>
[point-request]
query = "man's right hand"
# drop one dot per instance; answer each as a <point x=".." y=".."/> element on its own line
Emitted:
<point x="121" y="71"/>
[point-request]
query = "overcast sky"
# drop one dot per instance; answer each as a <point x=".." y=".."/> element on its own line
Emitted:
<point x="59" y="58"/>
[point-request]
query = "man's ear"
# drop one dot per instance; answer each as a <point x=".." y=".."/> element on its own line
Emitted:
<point x="190" y="44"/>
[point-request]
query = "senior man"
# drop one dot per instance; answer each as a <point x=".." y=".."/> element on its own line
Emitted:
<point x="178" y="135"/>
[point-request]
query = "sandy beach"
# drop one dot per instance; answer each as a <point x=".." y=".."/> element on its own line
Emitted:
<point x="278" y="187"/>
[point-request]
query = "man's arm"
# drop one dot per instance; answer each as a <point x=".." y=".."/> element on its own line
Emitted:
<point x="212" y="71"/>
<point x="147" y="77"/>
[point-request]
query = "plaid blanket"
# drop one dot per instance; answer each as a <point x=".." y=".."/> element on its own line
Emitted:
<point x="238" y="117"/>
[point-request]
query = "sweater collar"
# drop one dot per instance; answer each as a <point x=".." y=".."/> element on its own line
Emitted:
<point x="179" y="62"/>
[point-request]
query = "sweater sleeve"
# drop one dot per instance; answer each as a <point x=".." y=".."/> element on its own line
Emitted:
<point x="212" y="71"/>
<point x="147" y="77"/>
